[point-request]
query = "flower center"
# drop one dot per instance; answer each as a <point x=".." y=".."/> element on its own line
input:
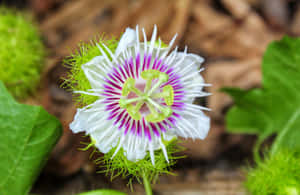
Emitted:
<point x="151" y="96"/>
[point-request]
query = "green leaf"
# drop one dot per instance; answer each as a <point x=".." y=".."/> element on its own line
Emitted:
<point x="103" y="192"/>
<point x="28" y="133"/>
<point x="289" y="138"/>
<point x="274" y="109"/>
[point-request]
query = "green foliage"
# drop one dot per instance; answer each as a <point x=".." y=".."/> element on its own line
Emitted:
<point x="279" y="174"/>
<point x="103" y="192"/>
<point x="76" y="79"/>
<point x="119" y="165"/>
<point x="28" y="133"/>
<point x="21" y="53"/>
<point x="274" y="109"/>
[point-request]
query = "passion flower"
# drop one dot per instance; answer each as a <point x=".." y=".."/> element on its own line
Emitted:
<point x="144" y="97"/>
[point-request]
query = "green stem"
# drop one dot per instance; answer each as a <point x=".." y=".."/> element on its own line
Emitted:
<point x="147" y="185"/>
<point x="257" y="149"/>
<point x="257" y="146"/>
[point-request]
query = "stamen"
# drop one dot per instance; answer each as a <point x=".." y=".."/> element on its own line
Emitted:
<point x="158" y="112"/>
<point x="155" y="74"/>
<point x="155" y="117"/>
<point x="133" y="111"/>
<point x="129" y="86"/>
<point x="123" y="102"/>
<point x="167" y="94"/>
<point x="156" y="105"/>
<point x="165" y="112"/>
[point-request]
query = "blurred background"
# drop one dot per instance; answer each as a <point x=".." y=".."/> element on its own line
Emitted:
<point x="232" y="36"/>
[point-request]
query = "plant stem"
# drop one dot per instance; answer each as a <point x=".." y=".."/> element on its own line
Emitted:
<point x="258" y="145"/>
<point x="147" y="185"/>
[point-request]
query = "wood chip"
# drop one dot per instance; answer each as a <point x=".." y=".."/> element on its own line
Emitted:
<point x="216" y="34"/>
<point x="178" y="21"/>
<point x="276" y="13"/>
<point x="238" y="8"/>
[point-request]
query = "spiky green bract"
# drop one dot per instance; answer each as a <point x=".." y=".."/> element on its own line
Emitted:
<point x="278" y="174"/>
<point x="119" y="165"/>
<point x="76" y="79"/>
<point x="21" y="53"/>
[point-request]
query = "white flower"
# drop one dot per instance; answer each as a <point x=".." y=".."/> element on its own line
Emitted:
<point x="145" y="96"/>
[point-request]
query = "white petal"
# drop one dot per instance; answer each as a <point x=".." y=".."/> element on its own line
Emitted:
<point x="199" y="80"/>
<point x="192" y="58"/>
<point x="193" y="87"/>
<point x="169" y="135"/>
<point x="153" y="39"/>
<point x="157" y="51"/>
<point x="106" y="138"/>
<point x="128" y="39"/>
<point x="95" y="61"/>
<point x="193" y="125"/>
<point x="188" y="62"/>
<point x="94" y="71"/>
<point x="163" y="147"/>
<point x="136" y="147"/>
<point x="83" y="120"/>
<point x="78" y="124"/>
<point x="187" y="66"/>
<point x="94" y="122"/>
<point x="151" y="151"/>
<point x="86" y="118"/>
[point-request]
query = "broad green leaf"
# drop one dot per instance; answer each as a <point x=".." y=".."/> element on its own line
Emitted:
<point x="275" y="108"/>
<point x="103" y="192"/>
<point x="289" y="138"/>
<point x="27" y="135"/>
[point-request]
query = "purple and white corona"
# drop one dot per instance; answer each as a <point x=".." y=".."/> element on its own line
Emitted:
<point x="146" y="93"/>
